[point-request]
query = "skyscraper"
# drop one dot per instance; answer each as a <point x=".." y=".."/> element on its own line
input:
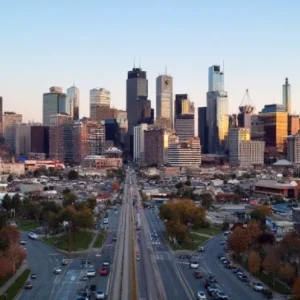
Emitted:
<point x="136" y="86"/>
<point x="73" y="97"/>
<point x="202" y="129"/>
<point x="53" y="103"/>
<point x="179" y="100"/>
<point x="217" y="111"/>
<point x="98" y="98"/>
<point x="164" y="99"/>
<point x="286" y="96"/>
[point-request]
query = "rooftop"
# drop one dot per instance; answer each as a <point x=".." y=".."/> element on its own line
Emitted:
<point x="282" y="163"/>
<point x="276" y="183"/>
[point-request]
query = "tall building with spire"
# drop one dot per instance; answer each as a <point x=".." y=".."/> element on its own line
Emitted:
<point x="164" y="99"/>
<point x="286" y="96"/>
<point x="73" y="97"/>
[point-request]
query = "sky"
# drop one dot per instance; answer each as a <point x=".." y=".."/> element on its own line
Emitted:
<point x="93" y="43"/>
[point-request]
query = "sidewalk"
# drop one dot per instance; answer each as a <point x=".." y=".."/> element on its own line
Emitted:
<point x="11" y="280"/>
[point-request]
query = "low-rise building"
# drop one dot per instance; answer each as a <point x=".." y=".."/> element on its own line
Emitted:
<point x="101" y="161"/>
<point x="12" y="168"/>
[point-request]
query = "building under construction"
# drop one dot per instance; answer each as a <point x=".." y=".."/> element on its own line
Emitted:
<point x="246" y="109"/>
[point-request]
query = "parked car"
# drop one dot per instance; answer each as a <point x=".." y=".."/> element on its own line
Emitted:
<point x="267" y="294"/>
<point x="243" y="278"/>
<point x="221" y="296"/>
<point x="100" y="294"/>
<point x="257" y="286"/>
<point x="201" y="295"/>
<point x="201" y="249"/>
<point x="22" y="242"/>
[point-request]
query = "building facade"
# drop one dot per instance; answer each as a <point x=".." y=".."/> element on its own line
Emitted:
<point x="154" y="146"/>
<point x="98" y="98"/>
<point x="217" y="111"/>
<point x="102" y="113"/>
<point x="275" y="120"/>
<point x="54" y="103"/>
<point x="73" y="100"/>
<point x="23" y="139"/>
<point x="185" y="126"/>
<point x="39" y="140"/>
<point x="202" y="129"/>
<point x="185" y="154"/>
<point x="139" y="143"/>
<point x="242" y="151"/>
<point x="286" y="96"/>
<point x="112" y="132"/>
<point x="164" y="99"/>
<point x="293" y="124"/>
<point x="293" y="148"/>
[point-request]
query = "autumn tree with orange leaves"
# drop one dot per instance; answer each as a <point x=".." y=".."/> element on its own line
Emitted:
<point x="254" y="262"/>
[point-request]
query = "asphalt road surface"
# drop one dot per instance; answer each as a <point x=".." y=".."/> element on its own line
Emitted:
<point x="42" y="258"/>
<point x="210" y="264"/>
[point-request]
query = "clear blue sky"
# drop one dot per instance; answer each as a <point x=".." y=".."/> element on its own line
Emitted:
<point x="94" y="42"/>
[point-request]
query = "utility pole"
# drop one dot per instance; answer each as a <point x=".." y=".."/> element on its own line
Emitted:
<point x="69" y="236"/>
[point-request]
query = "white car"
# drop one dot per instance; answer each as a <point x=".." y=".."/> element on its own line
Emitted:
<point x="22" y="242"/>
<point x="91" y="273"/>
<point x="257" y="286"/>
<point x="194" y="265"/>
<point x="201" y="295"/>
<point x="57" y="270"/>
<point x="33" y="235"/>
<point x="99" y="294"/>
<point x="106" y="264"/>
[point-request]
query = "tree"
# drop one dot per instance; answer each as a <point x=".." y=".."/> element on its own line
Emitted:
<point x="16" y="202"/>
<point x="179" y="185"/>
<point x="188" y="183"/>
<point x="52" y="221"/>
<point x="238" y="241"/>
<point x="73" y="175"/>
<point x="80" y="205"/>
<point x="15" y="255"/>
<point x="253" y="231"/>
<point x="260" y="213"/>
<point x="6" y="202"/>
<point x="85" y="218"/>
<point x="296" y="288"/>
<point x="9" y="236"/>
<point x="37" y="173"/>
<point x="225" y="225"/>
<point x="177" y="230"/>
<point x="265" y="239"/>
<point x="206" y="200"/>
<point x="6" y="267"/>
<point x="66" y="191"/>
<point x="271" y="263"/>
<point x="10" y="178"/>
<point x="69" y="199"/>
<point x="254" y="262"/>
<point x="92" y="203"/>
<point x="287" y="273"/>
<point x="67" y="214"/>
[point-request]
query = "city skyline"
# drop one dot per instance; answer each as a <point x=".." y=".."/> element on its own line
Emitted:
<point x="257" y="62"/>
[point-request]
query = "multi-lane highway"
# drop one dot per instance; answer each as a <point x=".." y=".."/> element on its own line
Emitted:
<point x="42" y="258"/>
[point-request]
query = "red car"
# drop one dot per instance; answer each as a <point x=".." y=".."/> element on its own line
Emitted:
<point x="198" y="274"/>
<point x="103" y="272"/>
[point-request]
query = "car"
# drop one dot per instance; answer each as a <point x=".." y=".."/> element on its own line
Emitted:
<point x="225" y="261"/>
<point x="57" y="270"/>
<point x="267" y="294"/>
<point x="99" y="294"/>
<point x="84" y="278"/>
<point x="257" y="286"/>
<point x="198" y="274"/>
<point x="33" y="235"/>
<point x="64" y="262"/>
<point x="33" y="276"/>
<point x="22" y="242"/>
<point x="222" y="243"/>
<point x="201" y="295"/>
<point x="91" y="272"/>
<point x="83" y="292"/>
<point x="244" y="278"/>
<point x="181" y="256"/>
<point x="28" y="285"/>
<point x="93" y="288"/>
<point x="194" y="265"/>
<point x="211" y="279"/>
<point x="188" y="256"/>
<point x="103" y="272"/>
<point x="212" y="289"/>
<point x="239" y="273"/>
<point x="106" y="263"/>
<point x="114" y="239"/>
<point x="201" y="249"/>
<point x="223" y="258"/>
<point x="221" y="296"/>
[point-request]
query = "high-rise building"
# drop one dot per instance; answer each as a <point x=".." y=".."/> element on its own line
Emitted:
<point x="155" y="144"/>
<point x="185" y="126"/>
<point x="139" y="143"/>
<point x="286" y="96"/>
<point x="293" y="148"/>
<point x="73" y="98"/>
<point x="98" y="98"/>
<point x="257" y="128"/>
<point x="217" y="111"/>
<point x="89" y="139"/>
<point x="185" y="154"/>
<point x="275" y="120"/>
<point x="101" y="113"/>
<point x="293" y="124"/>
<point x="60" y="139"/>
<point x="246" y="111"/>
<point x="136" y="86"/>
<point x="1" y="110"/>
<point x="164" y="99"/>
<point x="23" y="139"/>
<point x="39" y="141"/>
<point x="202" y="129"/>
<point x="242" y="151"/>
<point x="54" y="103"/>
<point x="179" y="100"/>
<point x="10" y="122"/>
<point x="112" y="132"/>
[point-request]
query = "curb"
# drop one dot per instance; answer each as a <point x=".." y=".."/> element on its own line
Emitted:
<point x="21" y="290"/>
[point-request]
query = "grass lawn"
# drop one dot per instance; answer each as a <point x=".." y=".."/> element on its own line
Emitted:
<point x="27" y="225"/>
<point x="279" y="287"/>
<point x="99" y="240"/>
<point x="197" y="241"/>
<point x="15" y="288"/>
<point x="80" y="241"/>
<point x="210" y="230"/>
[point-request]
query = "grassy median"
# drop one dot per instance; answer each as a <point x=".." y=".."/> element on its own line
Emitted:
<point x="16" y="287"/>
<point x="99" y="240"/>
<point x="80" y="241"/>
<point x="27" y="225"/>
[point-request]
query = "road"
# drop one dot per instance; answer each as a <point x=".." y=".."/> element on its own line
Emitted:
<point x="123" y="271"/>
<point x="42" y="258"/>
<point x="210" y="264"/>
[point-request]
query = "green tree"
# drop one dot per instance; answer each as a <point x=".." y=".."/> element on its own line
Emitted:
<point x="206" y="200"/>
<point x="16" y="202"/>
<point x="260" y="213"/>
<point x="52" y="221"/>
<point x="85" y="218"/>
<point x="33" y="210"/>
<point x="3" y="218"/>
<point x="6" y="202"/>
<point x="10" y="178"/>
<point x="73" y="175"/>
<point x="80" y="205"/>
<point x="69" y="199"/>
<point x="92" y="203"/>
<point x="67" y="214"/>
